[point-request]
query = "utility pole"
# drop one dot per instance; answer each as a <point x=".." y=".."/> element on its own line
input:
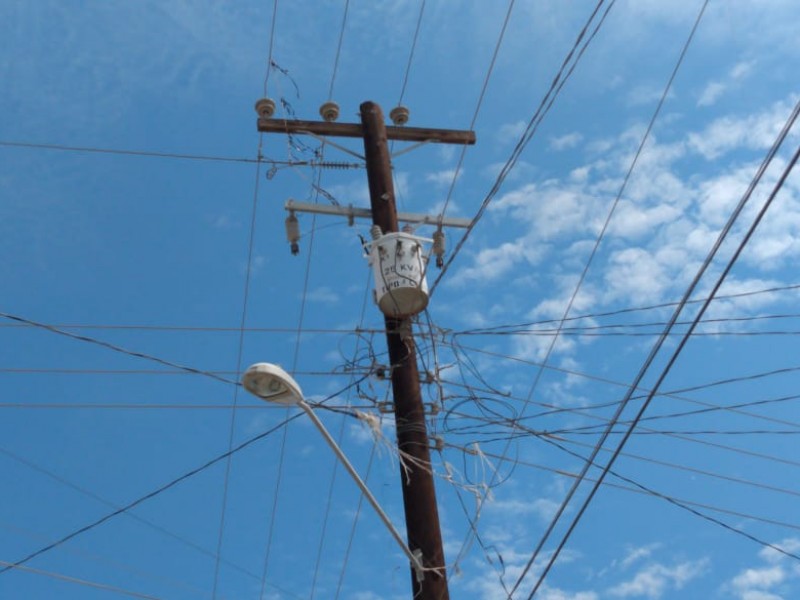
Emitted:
<point x="419" y="493"/>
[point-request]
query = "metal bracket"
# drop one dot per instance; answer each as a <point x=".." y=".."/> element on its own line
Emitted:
<point x="412" y="147"/>
<point x="419" y="569"/>
<point x="325" y="140"/>
<point x="353" y="213"/>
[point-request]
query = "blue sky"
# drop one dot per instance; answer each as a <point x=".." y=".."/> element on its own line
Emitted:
<point x="170" y="275"/>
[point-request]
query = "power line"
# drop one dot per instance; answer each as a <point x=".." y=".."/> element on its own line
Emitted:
<point x="338" y="48"/>
<point x="271" y="44"/>
<point x="638" y="489"/>
<point x="115" y="348"/>
<point x="547" y="436"/>
<point x="723" y="234"/>
<point x="239" y="351"/>
<point x="411" y="53"/>
<point x="335" y="468"/>
<point x="83" y="582"/>
<point x="89" y="494"/>
<point x="674" y="501"/>
<point x="530" y="130"/>
<point x="482" y="94"/>
<point x="525" y="138"/>
<point x="181" y="156"/>
<point x="148" y="496"/>
<point x="166" y="486"/>
<point x="582" y="411"/>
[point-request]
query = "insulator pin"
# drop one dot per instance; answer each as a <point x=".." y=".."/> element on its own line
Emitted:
<point x="329" y="111"/>
<point x="399" y="115"/>
<point x="293" y="232"/>
<point x="265" y="107"/>
<point x="439" y="247"/>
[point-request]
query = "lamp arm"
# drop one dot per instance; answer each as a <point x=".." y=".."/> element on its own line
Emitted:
<point x="414" y="558"/>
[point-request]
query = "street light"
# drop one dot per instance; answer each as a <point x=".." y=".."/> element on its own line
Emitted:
<point x="272" y="384"/>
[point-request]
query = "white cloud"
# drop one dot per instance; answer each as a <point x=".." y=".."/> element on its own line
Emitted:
<point x="755" y="132"/>
<point x="543" y="508"/>
<point x="490" y="264"/>
<point x="443" y="178"/>
<point x="567" y="141"/>
<point x="637" y="554"/>
<point x="324" y="295"/>
<point x="715" y="89"/>
<point x="550" y="593"/>
<point x="711" y="93"/>
<point x="511" y="132"/>
<point x="655" y="579"/>
<point x="765" y="577"/>
<point x="774" y="580"/>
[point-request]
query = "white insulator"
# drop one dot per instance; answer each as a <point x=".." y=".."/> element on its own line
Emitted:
<point x="265" y="107"/>
<point x="439" y="247"/>
<point x="399" y="115"/>
<point x="293" y="232"/>
<point x="376" y="232"/>
<point x="329" y="111"/>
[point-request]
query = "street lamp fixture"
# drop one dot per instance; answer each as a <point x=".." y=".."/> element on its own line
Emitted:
<point x="272" y="384"/>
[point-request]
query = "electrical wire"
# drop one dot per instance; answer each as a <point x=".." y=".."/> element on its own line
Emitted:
<point x="686" y="507"/>
<point x="163" y="488"/>
<point x="411" y="53"/>
<point x="98" y="498"/>
<point x="338" y="48"/>
<point x="530" y="130"/>
<point x="500" y="328"/>
<point x="182" y="156"/>
<point x="239" y="352"/>
<point x="511" y="162"/>
<point x="484" y="87"/>
<point x="83" y="582"/>
<point x="115" y="348"/>
<point x="768" y="159"/>
<point x="638" y="489"/>
<point x="335" y="468"/>
<point x="268" y="70"/>
<point x="316" y="190"/>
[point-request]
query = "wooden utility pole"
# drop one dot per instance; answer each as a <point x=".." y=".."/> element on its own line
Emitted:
<point x="419" y="493"/>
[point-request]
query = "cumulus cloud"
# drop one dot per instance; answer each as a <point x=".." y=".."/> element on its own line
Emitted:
<point x="567" y="141"/>
<point x="774" y="578"/>
<point x="655" y="579"/>
<point x="443" y="178"/>
<point x="323" y="294"/>
<point x="717" y="88"/>
<point x="753" y="132"/>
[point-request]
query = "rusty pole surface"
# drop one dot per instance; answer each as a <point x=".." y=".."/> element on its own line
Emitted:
<point x="419" y="492"/>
